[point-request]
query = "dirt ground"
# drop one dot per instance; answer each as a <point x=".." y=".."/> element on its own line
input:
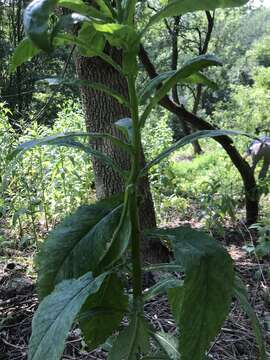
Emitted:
<point x="18" y="301"/>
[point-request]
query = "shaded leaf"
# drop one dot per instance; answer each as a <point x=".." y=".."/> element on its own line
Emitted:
<point x="23" y="52"/>
<point x="103" y="311"/>
<point x="121" y="236"/>
<point x="91" y="41"/>
<point x="96" y="86"/>
<point x="77" y="244"/>
<point x="55" y="316"/>
<point x="207" y="290"/>
<point x="132" y="341"/>
<point x="241" y="293"/>
<point x="168" y="343"/>
<point x="161" y="287"/>
<point x="167" y="267"/>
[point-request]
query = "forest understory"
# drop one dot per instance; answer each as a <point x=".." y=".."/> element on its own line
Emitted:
<point x="235" y="341"/>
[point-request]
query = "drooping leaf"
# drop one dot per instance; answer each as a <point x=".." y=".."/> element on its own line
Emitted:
<point x="161" y="287"/>
<point x="103" y="311"/>
<point x="241" y="293"/>
<point x="67" y="140"/>
<point x="175" y="298"/>
<point x="188" y="140"/>
<point x="82" y="8"/>
<point x="92" y="85"/>
<point x="169" y="344"/>
<point x="125" y="125"/>
<point x="23" y="52"/>
<point x="193" y="66"/>
<point x="56" y="313"/>
<point x="176" y="7"/>
<point x="207" y="290"/>
<point x="167" y="267"/>
<point x="36" y="23"/>
<point x="132" y="341"/>
<point x="77" y="244"/>
<point x="153" y="84"/>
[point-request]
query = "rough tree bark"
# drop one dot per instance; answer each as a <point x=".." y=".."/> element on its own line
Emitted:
<point x="101" y="112"/>
<point x="251" y="193"/>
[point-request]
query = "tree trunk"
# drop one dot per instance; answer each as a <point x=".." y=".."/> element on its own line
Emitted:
<point x="101" y="112"/>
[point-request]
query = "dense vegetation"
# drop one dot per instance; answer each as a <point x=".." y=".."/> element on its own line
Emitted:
<point x="46" y="177"/>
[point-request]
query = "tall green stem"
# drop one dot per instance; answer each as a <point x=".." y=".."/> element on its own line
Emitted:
<point x="133" y="204"/>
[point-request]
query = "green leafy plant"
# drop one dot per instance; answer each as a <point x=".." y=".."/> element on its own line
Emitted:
<point x="82" y="266"/>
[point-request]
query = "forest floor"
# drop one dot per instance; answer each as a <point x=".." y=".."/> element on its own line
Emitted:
<point x="18" y="301"/>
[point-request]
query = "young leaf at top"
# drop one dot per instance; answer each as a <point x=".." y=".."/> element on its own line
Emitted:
<point x="77" y="244"/>
<point x="181" y="7"/>
<point x="102" y="312"/>
<point x="82" y="8"/>
<point x="56" y="313"/>
<point x="207" y="291"/>
<point x="23" y="52"/>
<point x="132" y="342"/>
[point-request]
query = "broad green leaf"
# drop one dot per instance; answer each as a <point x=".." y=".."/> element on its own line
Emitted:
<point x="55" y="316"/>
<point x="241" y="294"/>
<point x="161" y="287"/>
<point x="153" y="84"/>
<point x="23" y="52"/>
<point x="36" y="23"/>
<point x="169" y="344"/>
<point x="207" y="290"/>
<point x="192" y="66"/>
<point x="180" y="7"/>
<point x="77" y="244"/>
<point x="92" y="41"/>
<point x="188" y="140"/>
<point x="82" y="8"/>
<point x="119" y="35"/>
<point x="132" y="342"/>
<point x="125" y="125"/>
<point x="66" y="140"/>
<point x="96" y="86"/>
<point x="103" y="311"/>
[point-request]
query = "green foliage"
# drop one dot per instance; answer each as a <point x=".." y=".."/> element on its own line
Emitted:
<point x="97" y="237"/>
<point x="48" y="182"/>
